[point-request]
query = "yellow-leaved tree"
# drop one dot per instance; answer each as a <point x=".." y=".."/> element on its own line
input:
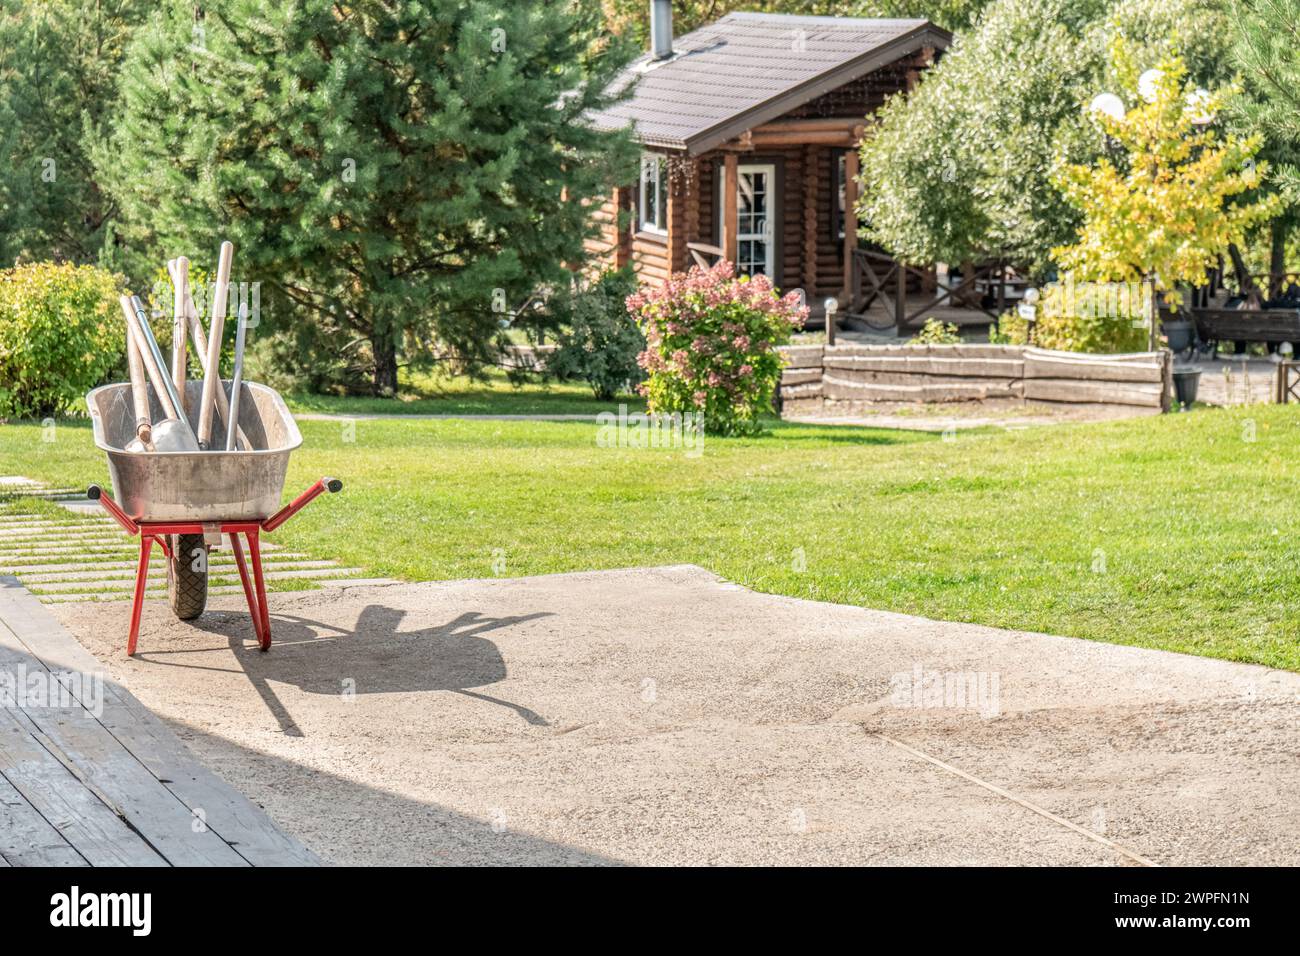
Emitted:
<point x="1170" y="192"/>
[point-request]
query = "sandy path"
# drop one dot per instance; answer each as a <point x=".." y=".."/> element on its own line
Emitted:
<point x="665" y="717"/>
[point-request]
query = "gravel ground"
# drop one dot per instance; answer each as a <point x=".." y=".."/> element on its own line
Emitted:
<point x="663" y="716"/>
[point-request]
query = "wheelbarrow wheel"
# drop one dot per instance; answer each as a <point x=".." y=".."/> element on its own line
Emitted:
<point x="187" y="576"/>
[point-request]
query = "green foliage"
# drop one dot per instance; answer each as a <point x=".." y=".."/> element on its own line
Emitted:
<point x="1095" y="318"/>
<point x="58" y="66"/>
<point x="630" y="16"/>
<point x="711" y="343"/>
<point x="1009" y="329"/>
<point x="399" y="173"/>
<point x="961" y="170"/>
<point x="61" y="332"/>
<point x="936" y="332"/>
<point x="1268" y="53"/>
<point x="598" y="341"/>
<point x="1174" y="195"/>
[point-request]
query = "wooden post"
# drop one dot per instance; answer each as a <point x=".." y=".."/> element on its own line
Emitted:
<point x="691" y="213"/>
<point x="1166" y="380"/>
<point x="850" y="222"/>
<point x="622" y="230"/>
<point x="730" y="211"/>
<point x="900" y="296"/>
<point x="1152" y="339"/>
<point x="811" y="174"/>
<point x="675" y="247"/>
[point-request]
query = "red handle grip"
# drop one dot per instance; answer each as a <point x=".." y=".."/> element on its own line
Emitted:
<point x="96" y="493"/>
<point x="302" y="501"/>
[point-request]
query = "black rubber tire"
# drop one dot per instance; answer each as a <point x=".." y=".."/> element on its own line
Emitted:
<point x="187" y="588"/>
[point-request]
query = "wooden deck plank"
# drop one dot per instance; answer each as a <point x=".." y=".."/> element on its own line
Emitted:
<point x="27" y="838"/>
<point x="100" y="836"/>
<point x="227" y="813"/>
<point x="109" y="772"/>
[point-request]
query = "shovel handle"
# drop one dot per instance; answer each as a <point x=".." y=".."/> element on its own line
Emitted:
<point x="212" y="373"/>
<point x="201" y="349"/>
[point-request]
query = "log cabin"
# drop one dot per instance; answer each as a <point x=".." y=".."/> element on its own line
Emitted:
<point x="750" y="128"/>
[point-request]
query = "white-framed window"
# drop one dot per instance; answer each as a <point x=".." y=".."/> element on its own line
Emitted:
<point x="653" y="213"/>
<point x="841" y="179"/>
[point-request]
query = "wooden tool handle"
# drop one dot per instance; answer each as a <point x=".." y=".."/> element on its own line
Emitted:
<point x="212" y="375"/>
<point x="180" y="289"/>
<point x="139" y="390"/>
<point x="201" y="349"/>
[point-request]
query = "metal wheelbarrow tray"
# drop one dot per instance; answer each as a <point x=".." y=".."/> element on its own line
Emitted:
<point x="186" y="501"/>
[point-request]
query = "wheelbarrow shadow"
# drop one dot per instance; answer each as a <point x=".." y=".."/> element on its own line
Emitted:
<point x="325" y="659"/>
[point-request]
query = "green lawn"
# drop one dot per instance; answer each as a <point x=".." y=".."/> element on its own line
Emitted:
<point x="435" y="395"/>
<point x="1177" y="532"/>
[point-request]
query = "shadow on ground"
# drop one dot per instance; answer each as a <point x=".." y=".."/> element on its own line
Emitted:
<point x="311" y="655"/>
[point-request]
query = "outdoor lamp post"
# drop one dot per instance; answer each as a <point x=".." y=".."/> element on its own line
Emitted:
<point x="1108" y="103"/>
<point x="830" y="305"/>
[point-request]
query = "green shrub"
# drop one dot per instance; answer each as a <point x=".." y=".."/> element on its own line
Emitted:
<point x="598" y="341"/>
<point x="936" y="332"/>
<point x="1010" y="329"/>
<point x="1091" y="317"/>
<point x="61" y="333"/>
<point x="711" y="344"/>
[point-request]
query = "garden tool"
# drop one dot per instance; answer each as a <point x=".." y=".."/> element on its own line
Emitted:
<point x="238" y="378"/>
<point x="201" y="347"/>
<point x="179" y="353"/>
<point x="143" y="440"/>
<point x="212" y="372"/>
<point x="174" y="432"/>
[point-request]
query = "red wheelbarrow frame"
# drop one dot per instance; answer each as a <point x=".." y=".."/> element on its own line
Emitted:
<point x="152" y="532"/>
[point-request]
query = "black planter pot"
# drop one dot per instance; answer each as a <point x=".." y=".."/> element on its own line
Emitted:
<point x="1181" y="334"/>
<point x="1186" y="382"/>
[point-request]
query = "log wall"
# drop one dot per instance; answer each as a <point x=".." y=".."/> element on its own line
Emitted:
<point x="839" y="376"/>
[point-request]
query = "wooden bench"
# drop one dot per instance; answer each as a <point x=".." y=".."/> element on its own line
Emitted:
<point x="1245" y="325"/>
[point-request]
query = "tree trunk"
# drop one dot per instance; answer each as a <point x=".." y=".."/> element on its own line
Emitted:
<point x="385" y="348"/>
<point x="1277" y="257"/>
<point x="1245" y="284"/>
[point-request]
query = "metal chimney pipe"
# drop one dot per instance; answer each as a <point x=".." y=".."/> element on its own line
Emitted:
<point x="661" y="29"/>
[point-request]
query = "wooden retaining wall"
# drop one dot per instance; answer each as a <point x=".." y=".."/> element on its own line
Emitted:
<point x="822" y="378"/>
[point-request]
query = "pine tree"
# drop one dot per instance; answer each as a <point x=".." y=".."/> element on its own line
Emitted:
<point x="400" y="173"/>
<point x="58" y="65"/>
<point x="1268" y="53"/>
<point x="1268" y="50"/>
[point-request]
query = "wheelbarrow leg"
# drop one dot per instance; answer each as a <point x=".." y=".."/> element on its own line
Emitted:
<point x="255" y="555"/>
<point x="253" y="607"/>
<point x="137" y="603"/>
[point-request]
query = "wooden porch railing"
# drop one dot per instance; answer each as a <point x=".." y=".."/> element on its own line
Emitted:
<point x="705" y="256"/>
<point x="1287" y="386"/>
<point x="876" y="276"/>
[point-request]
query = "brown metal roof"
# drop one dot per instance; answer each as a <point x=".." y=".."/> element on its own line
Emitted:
<point x="749" y="68"/>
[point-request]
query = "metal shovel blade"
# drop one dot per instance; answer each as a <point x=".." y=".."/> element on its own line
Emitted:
<point x="172" y="435"/>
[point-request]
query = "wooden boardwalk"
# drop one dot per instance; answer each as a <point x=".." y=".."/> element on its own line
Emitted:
<point x="90" y="777"/>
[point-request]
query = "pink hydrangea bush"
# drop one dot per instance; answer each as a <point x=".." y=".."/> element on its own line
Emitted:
<point x="711" y="343"/>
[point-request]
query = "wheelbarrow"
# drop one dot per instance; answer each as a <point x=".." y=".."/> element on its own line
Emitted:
<point x="185" y="502"/>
